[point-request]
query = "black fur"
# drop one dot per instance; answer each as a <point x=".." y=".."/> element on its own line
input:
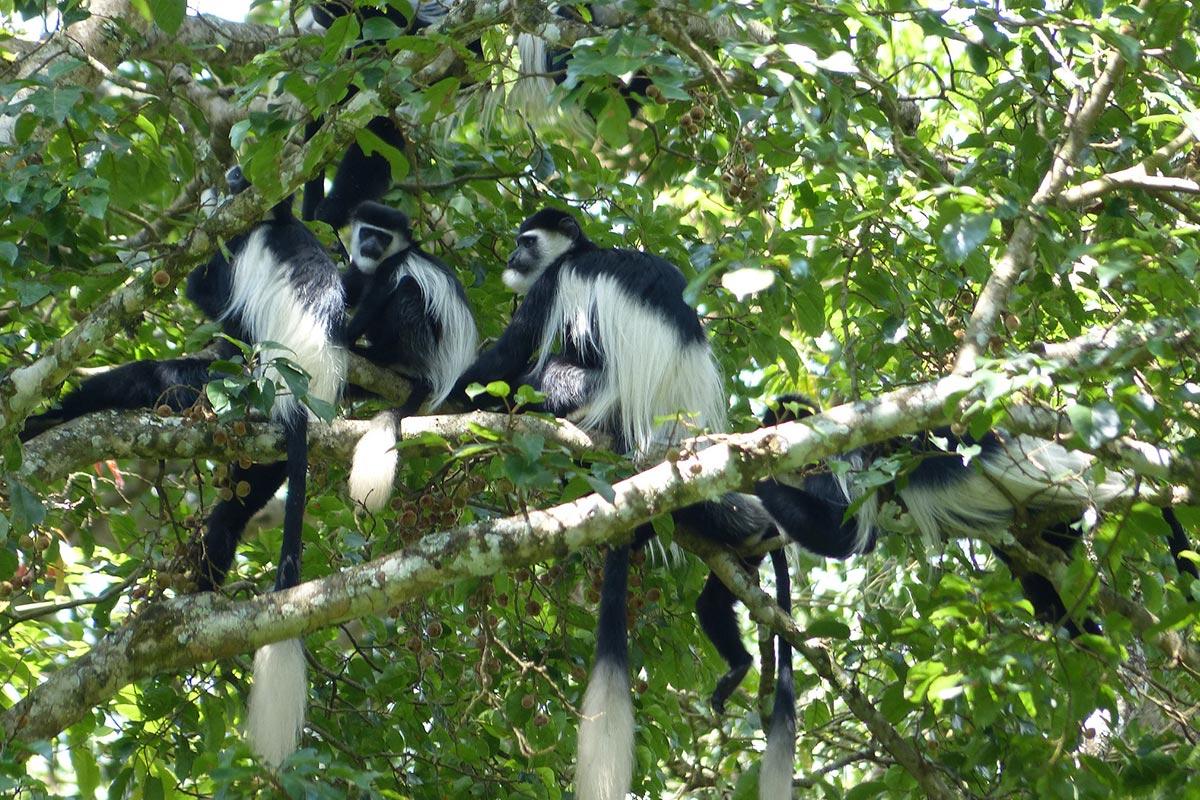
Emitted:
<point x="551" y="245"/>
<point x="646" y="279"/>
<point x="360" y="177"/>
<point x="813" y="509"/>
<point x="175" y="382"/>
<point x="391" y="309"/>
<point x="429" y="339"/>
<point x="314" y="280"/>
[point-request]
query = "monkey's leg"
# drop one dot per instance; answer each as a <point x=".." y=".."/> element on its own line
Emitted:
<point x="228" y="519"/>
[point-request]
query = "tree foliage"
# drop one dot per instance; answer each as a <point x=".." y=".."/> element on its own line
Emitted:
<point x="864" y="197"/>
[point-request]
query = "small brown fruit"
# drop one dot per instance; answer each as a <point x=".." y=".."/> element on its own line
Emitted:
<point x="528" y="702"/>
<point x="242" y="489"/>
<point x="162" y="279"/>
<point x="163" y="410"/>
<point x="541" y="720"/>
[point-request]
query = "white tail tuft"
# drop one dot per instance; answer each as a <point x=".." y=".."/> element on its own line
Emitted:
<point x="605" y="762"/>
<point x="278" y="697"/>
<point x="775" y="776"/>
<point x="373" y="470"/>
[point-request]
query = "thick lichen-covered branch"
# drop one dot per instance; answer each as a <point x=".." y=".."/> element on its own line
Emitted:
<point x="184" y="632"/>
<point x="142" y="434"/>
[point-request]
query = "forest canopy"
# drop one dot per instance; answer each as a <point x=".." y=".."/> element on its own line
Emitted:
<point x="975" y="215"/>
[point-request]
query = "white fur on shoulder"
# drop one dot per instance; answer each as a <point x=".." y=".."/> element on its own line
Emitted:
<point x="460" y="338"/>
<point x="651" y="374"/>
<point x="272" y="312"/>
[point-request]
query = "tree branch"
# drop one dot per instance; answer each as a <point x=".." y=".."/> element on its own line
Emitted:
<point x="1019" y="252"/>
<point x="184" y="632"/>
<point x="1138" y="176"/>
<point x="141" y="434"/>
<point x="765" y="611"/>
<point x="155" y="280"/>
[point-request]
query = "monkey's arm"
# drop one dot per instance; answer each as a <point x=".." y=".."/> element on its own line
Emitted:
<point x="812" y="516"/>
<point x="509" y="356"/>
<point x="372" y="302"/>
<point x="354" y="282"/>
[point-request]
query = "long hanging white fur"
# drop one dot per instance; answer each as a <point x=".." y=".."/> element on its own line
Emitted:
<point x="604" y="765"/>
<point x="373" y="468"/>
<point x="278" y="696"/>
<point x="651" y="373"/>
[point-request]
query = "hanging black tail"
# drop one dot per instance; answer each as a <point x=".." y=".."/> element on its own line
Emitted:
<point x="775" y="778"/>
<point x="604" y="766"/>
<point x="275" y="717"/>
<point x="1178" y="541"/>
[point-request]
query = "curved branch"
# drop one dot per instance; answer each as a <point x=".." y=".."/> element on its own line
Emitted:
<point x="182" y="633"/>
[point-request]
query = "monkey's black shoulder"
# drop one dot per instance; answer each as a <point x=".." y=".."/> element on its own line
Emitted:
<point x="643" y="277"/>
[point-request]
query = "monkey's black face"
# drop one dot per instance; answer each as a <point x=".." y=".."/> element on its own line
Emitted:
<point x="536" y="250"/>
<point x="369" y="246"/>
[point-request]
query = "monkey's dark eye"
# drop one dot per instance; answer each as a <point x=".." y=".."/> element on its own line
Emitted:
<point x="526" y="240"/>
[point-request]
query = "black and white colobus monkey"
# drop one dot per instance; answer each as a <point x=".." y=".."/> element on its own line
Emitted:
<point x="607" y="337"/>
<point x="361" y="177"/>
<point x="414" y="314"/>
<point x="542" y="68"/>
<point x="279" y="285"/>
<point x="175" y="383"/>
<point x="947" y="497"/>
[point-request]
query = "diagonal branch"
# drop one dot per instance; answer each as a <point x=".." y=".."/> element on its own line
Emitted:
<point x="1139" y="176"/>
<point x="765" y="611"/>
<point x="188" y="631"/>
<point x="1018" y="254"/>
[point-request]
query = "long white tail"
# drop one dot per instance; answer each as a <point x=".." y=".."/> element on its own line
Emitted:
<point x="604" y="763"/>
<point x="604" y="768"/>
<point x="775" y="776"/>
<point x="277" y="701"/>
<point x="373" y="470"/>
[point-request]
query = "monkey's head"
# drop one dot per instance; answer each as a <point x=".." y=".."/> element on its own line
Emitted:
<point x="542" y="239"/>
<point x="377" y="232"/>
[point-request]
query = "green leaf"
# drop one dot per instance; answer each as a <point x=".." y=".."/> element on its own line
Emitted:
<point x="380" y="28"/>
<point x="602" y="488"/>
<point x="963" y="235"/>
<point x="827" y="628"/>
<point x="612" y="124"/>
<point x="168" y="14"/>
<point x="8" y="252"/>
<point x="372" y="144"/>
<point x="27" y="508"/>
